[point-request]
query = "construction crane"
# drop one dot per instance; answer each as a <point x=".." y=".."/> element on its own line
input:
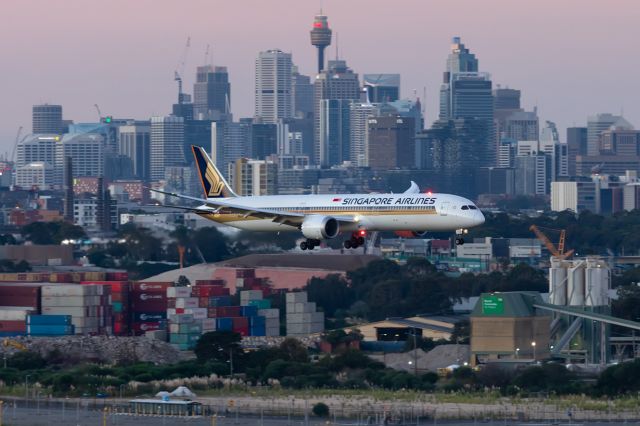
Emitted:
<point x="179" y="72"/>
<point x="15" y="145"/>
<point x="99" y="112"/>
<point x="555" y="251"/>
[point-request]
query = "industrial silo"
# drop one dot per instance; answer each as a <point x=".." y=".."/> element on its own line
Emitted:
<point x="575" y="283"/>
<point x="558" y="282"/>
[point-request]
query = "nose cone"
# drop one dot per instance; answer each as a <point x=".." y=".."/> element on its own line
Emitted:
<point x="479" y="218"/>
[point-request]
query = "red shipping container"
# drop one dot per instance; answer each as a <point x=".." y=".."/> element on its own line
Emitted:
<point x="151" y="287"/>
<point x="243" y="331"/>
<point x="209" y="291"/>
<point x="117" y="276"/>
<point x="121" y="317"/>
<point x="228" y="311"/>
<point x="203" y="302"/>
<point x="13" y="326"/>
<point x="209" y="283"/>
<point x="212" y="312"/>
<point x="149" y="306"/>
<point x="120" y="297"/>
<point x="239" y="322"/>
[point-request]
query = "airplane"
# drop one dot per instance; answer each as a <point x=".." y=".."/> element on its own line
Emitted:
<point x="323" y="217"/>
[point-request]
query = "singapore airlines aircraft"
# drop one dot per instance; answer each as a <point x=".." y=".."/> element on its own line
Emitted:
<point x="320" y="217"/>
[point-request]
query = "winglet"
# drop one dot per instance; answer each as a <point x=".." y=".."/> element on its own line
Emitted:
<point x="213" y="183"/>
<point x="413" y="189"/>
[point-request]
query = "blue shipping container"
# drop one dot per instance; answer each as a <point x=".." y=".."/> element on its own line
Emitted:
<point x="249" y="311"/>
<point x="12" y="333"/>
<point x="257" y="321"/>
<point x="225" y="324"/>
<point x="49" y="320"/>
<point x="218" y="301"/>
<point x="257" y="331"/>
<point x="50" y="330"/>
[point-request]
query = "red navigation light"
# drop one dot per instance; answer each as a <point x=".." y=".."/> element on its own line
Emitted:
<point x="429" y="193"/>
<point x="362" y="232"/>
<point x="317" y="25"/>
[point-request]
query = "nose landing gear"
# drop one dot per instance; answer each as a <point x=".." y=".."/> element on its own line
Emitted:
<point x="459" y="236"/>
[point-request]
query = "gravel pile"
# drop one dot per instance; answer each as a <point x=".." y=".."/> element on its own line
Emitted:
<point x="439" y="357"/>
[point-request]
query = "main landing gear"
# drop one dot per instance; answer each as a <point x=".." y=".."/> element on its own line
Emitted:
<point x="459" y="236"/>
<point x="356" y="240"/>
<point x="309" y="244"/>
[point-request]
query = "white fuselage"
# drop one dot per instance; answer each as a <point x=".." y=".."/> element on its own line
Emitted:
<point x="372" y="212"/>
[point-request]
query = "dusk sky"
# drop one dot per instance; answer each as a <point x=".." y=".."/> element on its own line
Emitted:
<point x="570" y="58"/>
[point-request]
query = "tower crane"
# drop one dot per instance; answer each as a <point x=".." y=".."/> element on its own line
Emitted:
<point x="555" y="251"/>
<point x="99" y="112"/>
<point x="179" y="72"/>
<point x="15" y="145"/>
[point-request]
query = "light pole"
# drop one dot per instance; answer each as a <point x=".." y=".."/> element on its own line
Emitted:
<point x="533" y="345"/>
<point x="26" y="389"/>
<point x="517" y="352"/>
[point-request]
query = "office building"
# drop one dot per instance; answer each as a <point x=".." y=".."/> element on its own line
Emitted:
<point x="274" y="88"/>
<point x="134" y="142"/>
<point x="167" y="144"/>
<point x="390" y="143"/>
<point x="338" y="82"/>
<point x="532" y="174"/>
<point x="621" y="142"/>
<point x="597" y="124"/>
<point x="211" y="93"/>
<point x="359" y="114"/>
<point x="576" y="196"/>
<point x="506" y="99"/>
<point x="37" y="148"/>
<point x="229" y="142"/>
<point x="382" y="87"/>
<point x="576" y="145"/>
<point x="302" y="95"/>
<point x="334" y="131"/>
<point x="87" y="152"/>
<point x="253" y="177"/>
<point x="520" y="126"/>
<point x="47" y="119"/>
<point x="496" y="180"/>
<point x="36" y="175"/>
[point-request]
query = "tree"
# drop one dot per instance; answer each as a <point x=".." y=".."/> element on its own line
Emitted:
<point x="628" y="304"/>
<point x="212" y="244"/>
<point x="331" y="292"/>
<point x="320" y="409"/>
<point x="293" y="350"/>
<point x="218" y="346"/>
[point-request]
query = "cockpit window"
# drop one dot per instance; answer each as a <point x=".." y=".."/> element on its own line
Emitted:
<point x="465" y="207"/>
<point x="472" y="207"/>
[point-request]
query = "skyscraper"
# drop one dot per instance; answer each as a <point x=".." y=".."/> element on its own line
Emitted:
<point x="87" y="151"/>
<point x="229" y="142"/>
<point x="382" y="87"/>
<point x="302" y="95"/>
<point x="274" y="90"/>
<point x="134" y="141"/>
<point x="338" y="82"/>
<point x="320" y="38"/>
<point x="359" y="131"/>
<point x="467" y="93"/>
<point x="596" y="124"/>
<point x="166" y="143"/>
<point x="334" y="131"/>
<point x="211" y="93"/>
<point x="577" y="145"/>
<point x="390" y="143"/>
<point x="506" y="99"/>
<point x="47" y="119"/>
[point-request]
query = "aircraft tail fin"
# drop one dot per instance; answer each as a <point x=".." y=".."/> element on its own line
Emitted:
<point x="213" y="183"/>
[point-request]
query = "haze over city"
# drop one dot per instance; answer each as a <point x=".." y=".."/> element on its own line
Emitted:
<point x="571" y="59"/>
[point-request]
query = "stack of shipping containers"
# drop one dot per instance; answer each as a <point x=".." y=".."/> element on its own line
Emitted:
<point x="302" y="318"/>
<point x="148" y="301"/>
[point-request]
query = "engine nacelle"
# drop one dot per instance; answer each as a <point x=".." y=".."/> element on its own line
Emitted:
<point x="411" y="234"/>
<point x="318" y="227"/>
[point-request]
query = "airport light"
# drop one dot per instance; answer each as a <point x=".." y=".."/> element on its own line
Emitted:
<point x="533" y="345"/>
<point x="517" y="352"/>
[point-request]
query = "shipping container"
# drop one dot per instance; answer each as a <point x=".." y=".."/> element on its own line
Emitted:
<point x="245" y="273"/>
<point x="228" y="311"/>
<point x="260" y="304"/>
<point x="151" y="287"/>
<point x="117" y="276"/>
<point x="149" y="316"/>
<point x="219" y="301"/>
<point x="187" y="302"/>
<point x="142" y="327"/>
<point x="208" y="324"/>
<point x="202" y="283"/>
<point x="49" y="320"/>
<point x="13" y="326"/>
<point x="209" y="291"/>
<point x="175" y="292"/>
<point x="14" y="313"/>
<point x="224" y="324"/>
<point x="248" y="311"/>
<point x="50" y="330"/>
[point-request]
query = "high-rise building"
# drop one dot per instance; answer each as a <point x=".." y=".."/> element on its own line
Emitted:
<point x="253" y="177"/>
<point x="211" y="93"/>
<point x="263" y="140"/>
<point x="359" y="115"/>
<point x="87" y="151"/>
<point x="622" y="142"/>
<point x="337" y="82"/>
<point x="520" y="126"/>
<point x="576" y="145"/>
<point x="506" y="99"/>
<point x="37" y="148"/>
<point x="302" y="94"/>
<point x="229" y="142"/>
<point x="38" y="175"/>
<point x="467" y="93"/>
<point x="382" y="87"/>
<point x="320" y="38"/>
<point x="532" y="174"/>
<point x="274" y="89"/>
<point x="47" y="119"/>
<point x="166" y="144"/>
<point x="597" y="124"/>
<point x="334" y="131"/>
<point x="134" y="141"/>
<point x="390" y="143"/>
<point x="550" y="144"/>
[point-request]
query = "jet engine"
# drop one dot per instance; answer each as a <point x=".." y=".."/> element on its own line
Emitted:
<point x="320" y="227"/>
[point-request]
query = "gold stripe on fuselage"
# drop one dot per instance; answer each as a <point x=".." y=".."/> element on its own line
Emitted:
<point x="240" y="217"/>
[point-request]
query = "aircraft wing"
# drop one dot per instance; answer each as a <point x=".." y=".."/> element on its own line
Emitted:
<point x="279" y="216"/>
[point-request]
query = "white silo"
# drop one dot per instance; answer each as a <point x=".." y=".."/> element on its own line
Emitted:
<point x="575" y="283"/>
<point x="558" y="282"/>
<point x="597" y="282"/>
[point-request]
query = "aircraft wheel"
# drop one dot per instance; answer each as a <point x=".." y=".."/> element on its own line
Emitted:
<point x="459" y="241"/>
<point x="310" y="245"/>
<point x="360" y="241"/>
<point x="347" y="244"/>
<point x="303" y="245"/>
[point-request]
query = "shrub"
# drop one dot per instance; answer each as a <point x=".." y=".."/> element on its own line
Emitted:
<point x="320" y="410"/>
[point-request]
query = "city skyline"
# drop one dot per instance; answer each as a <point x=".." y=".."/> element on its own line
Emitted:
<point x="127" y="67"/>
